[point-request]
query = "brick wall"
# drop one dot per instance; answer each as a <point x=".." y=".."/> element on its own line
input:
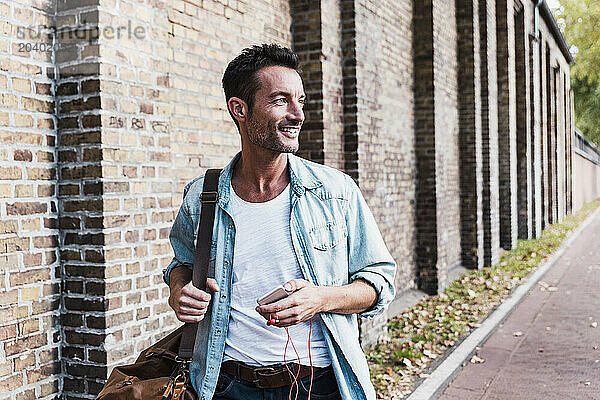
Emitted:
<point x="80" y="192"/>
<point x="135" y="190"/>
<point x="425" y="193"/>
<point x="523" y="126"/>
<point x="30" y="284"/>
<point x="543" y="128"/>
<point x="472" y="75"/>
<point x="489" y="132"/>
<point x="437" y="142"/>
<point x="535" y="159"/>
<point x="446" y="67"/>
<point x="507" y="128"/>
<point x="384" y="131"/>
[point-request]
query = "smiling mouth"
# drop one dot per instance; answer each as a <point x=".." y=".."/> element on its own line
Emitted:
<point x="290" y="131"/>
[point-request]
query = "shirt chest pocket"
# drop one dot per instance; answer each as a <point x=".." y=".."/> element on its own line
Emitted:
<point x="328" y="236"/>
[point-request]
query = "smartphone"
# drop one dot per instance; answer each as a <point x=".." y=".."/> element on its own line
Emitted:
<point x="274" y="295"/>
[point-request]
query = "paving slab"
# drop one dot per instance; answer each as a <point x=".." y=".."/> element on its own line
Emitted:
<point x="549" y="347"/>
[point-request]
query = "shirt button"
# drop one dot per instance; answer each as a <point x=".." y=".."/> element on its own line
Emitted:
<point x="355" y="384"/>
<point x="226" y="262"/>
<point x="230" y="226"/>
<point x="218" y="331"/>
<point x="223" y="296"/>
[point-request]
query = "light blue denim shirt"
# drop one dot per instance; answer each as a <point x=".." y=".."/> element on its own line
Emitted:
<point x="336" y="241"/>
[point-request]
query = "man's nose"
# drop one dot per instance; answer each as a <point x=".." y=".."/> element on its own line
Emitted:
<point x="295" y="112"/>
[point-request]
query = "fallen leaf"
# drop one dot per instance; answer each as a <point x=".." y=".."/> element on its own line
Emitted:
<point x="541" y="350"/>
<point x="587" y="383"/>
<point x="517" y="333"/>
<point x="407" y="362"/>
<point x="424" y="375"/>
<point x="552" y="288"/>
<point x="594" y="324"/>
<point x="547" y="328"/>
<point x="477" y="360"/>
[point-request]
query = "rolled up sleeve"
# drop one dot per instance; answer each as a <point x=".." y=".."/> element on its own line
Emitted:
<point x="368" y="256"/>
<point x="182" y="242"/>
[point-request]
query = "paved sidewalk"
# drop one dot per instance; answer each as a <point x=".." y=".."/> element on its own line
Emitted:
<point x="549" y="347"/>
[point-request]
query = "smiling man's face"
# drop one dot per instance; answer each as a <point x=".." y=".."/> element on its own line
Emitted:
<point x="277" y="114"/>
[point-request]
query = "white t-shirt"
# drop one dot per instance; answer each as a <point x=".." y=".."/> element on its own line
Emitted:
<point x="263" y="259"/>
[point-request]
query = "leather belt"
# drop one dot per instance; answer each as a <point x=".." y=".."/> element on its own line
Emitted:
<point x="267" y="377"/>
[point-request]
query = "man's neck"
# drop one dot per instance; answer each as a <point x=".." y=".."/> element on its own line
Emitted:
<point x="260" y="175"/>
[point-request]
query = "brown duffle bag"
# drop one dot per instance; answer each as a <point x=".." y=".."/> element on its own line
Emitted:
<point x="162" y="371"/>
<point x="158" y="373"/>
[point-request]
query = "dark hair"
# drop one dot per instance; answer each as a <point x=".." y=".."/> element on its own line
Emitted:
<point x="241" y="79"/>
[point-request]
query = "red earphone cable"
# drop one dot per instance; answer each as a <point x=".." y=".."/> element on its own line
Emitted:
<point x="310" y="359"/>
<point x="295" y="377"/>
<point x="295" y="382"/>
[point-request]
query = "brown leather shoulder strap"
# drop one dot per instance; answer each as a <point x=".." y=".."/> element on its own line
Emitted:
<point x="208" y="198"/>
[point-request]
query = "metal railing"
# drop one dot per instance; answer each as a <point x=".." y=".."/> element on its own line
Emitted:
<point x="586" y="148"/>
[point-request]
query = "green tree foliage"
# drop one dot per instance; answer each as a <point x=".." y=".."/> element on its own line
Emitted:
<point x="580" y="22"/>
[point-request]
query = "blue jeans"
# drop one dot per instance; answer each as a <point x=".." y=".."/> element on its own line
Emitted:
<point x="324" y="388"/>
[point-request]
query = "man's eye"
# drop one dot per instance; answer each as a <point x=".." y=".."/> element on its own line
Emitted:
<point x="280" y="100"/>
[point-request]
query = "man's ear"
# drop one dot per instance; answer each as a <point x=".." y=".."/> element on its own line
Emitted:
<point x="238" y="109"/>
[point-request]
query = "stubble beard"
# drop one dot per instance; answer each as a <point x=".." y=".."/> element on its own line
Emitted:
<point x="267" y="137"/>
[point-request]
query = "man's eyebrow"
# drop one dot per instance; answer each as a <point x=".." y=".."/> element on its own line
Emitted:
<point x="283" y="93"/>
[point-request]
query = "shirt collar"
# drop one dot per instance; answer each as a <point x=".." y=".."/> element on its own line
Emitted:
<point x="301" y="175"/>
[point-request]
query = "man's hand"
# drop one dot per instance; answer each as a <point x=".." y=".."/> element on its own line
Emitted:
<point x="302" y="304"/>
<point x="306" y="300"/>
<point x="189" y="302"/>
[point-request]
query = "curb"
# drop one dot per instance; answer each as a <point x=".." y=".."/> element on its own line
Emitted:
<point x="433" y="386"/>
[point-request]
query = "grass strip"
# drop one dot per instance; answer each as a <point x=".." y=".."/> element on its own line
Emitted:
<point x="424" y="332"/>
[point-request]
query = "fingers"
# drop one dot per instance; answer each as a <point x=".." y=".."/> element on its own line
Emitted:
<point x="191" y="314"/>
<point x="188" y="302"/>
<point x="292" y="316"/>
<point x="277" y="306"/>
<point x="288" y="312"/>
<point x="295" y="284"/>
<point x="195" y="293"/>
<point x="212" y="284"/>
<point x="264" y="315"/>
<point x="192" y="311"/>
<point x="191" y="303"/>
<point x="189" y="318"/>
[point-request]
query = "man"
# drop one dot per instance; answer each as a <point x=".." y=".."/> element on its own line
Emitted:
<point x="279" y="220"/>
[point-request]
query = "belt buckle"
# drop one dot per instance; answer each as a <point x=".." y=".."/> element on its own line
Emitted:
<point x="262" y="370"/>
